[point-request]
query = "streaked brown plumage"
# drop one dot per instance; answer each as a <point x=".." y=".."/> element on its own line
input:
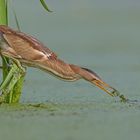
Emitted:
<point x="31" y="52"/>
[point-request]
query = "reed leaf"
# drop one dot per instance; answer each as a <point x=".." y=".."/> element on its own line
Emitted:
<point x="45" y="5"/>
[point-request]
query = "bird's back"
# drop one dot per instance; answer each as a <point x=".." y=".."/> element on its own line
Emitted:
<point x="24" y="45"/>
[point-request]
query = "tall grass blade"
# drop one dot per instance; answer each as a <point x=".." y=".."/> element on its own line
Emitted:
<point x="15" y="16"/>
<point x="45" y="5"/>
<point x="4" y="21"/>
<point x="3" y="12"/>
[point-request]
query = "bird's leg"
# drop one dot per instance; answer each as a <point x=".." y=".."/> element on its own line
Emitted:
<point x="6" y="82"/>
<point x="16" y="68"/>
<point x="13" y="76"/>
<point x="22" y="69"/>
<point x="8" y="64"/>
<point x="16" y="76"/>
<point x="8" y="78"/>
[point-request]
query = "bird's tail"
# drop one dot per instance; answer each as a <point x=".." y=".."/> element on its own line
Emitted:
<point x="93" y="78"/>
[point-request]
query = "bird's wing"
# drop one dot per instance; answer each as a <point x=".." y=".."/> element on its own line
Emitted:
<point x="26" y="46"/>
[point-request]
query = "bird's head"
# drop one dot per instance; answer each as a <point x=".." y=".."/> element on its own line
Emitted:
<point x="93" y="78"/>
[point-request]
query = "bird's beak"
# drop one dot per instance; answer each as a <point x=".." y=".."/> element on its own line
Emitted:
<point x="105" y="87"/>
<point x="92" y="77"/>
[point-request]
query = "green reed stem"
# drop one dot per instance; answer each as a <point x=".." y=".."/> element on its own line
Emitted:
<point x="4" y="21"/>
<point x="14" y="93"/>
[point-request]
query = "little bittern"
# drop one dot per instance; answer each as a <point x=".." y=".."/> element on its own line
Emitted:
<point x="31" y="52"/>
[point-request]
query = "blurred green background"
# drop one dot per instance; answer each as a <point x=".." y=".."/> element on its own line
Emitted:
<point x="102" y="35"/>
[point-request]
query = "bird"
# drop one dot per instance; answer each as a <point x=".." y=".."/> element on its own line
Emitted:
<point x="30" y="52"/>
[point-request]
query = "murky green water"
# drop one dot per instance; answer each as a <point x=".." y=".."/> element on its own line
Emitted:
<point x="101" y="35"/>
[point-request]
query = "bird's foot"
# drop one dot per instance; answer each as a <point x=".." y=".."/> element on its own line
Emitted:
<point x="22" y="69"/>
<point x="10" y="81"/>
<point x="13" y="76"/>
